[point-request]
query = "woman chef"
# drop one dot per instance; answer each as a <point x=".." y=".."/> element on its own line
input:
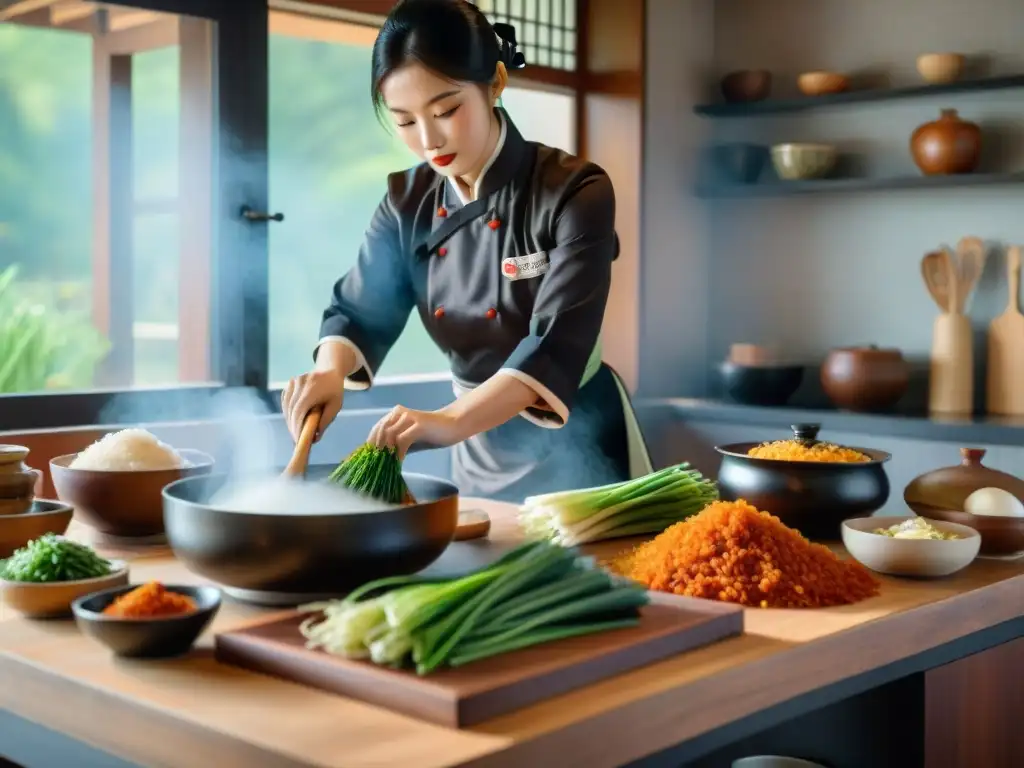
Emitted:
<point x="505" y="248"/>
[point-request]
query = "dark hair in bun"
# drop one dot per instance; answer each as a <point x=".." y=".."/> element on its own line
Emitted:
<point x="451" y="37"/>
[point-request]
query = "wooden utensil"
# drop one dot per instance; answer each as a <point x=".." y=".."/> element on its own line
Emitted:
<point x="934" y="273"/>
<point x="952" y="271"/>
<point x="1005" y="381"/>
<point x="971" y="257"/>
<point x="300" y="456"/>
<point x="951" y="379"/>
<point x="473" y="524"/>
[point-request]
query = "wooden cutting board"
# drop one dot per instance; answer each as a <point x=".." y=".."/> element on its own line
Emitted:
<point x="1005" y="381"/>
<point x="468" y="695"/>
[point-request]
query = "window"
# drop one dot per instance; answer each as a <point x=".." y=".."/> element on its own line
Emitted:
<point x="140" y="151"/>
<point x="545" y="29"/>
<point x="329" y="161"/>
<point x="90" y="221"/>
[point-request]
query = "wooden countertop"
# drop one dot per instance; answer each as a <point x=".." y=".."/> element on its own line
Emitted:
<point x="193" y="711"/>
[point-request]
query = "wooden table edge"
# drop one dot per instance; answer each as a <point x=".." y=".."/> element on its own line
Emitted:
<point x="638" y="728"/>
<point x="677" y="715"/>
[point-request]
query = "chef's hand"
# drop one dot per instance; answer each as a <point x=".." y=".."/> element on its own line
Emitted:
<point x="403" y="426"/>
<point x="304" y="393"/>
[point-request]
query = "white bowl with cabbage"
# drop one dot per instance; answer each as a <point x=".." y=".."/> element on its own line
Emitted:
<point x="116" y="483"/>
<point x="910" y="546"/>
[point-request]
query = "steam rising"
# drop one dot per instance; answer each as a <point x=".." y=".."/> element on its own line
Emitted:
<point x="250" y="445"/>
<point x="236" y="425"/>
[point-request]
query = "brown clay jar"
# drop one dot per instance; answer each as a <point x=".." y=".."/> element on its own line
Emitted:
<point x="949" y="487"/>
<point x="948" y="145"/>
<point x="17" y="480"/>
<point x="865" y="378"/>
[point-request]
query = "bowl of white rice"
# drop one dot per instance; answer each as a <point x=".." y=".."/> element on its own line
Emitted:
<point x="115" y="484"/>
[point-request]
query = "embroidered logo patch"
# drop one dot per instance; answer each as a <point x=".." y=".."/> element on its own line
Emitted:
<point x="523" y="267"/>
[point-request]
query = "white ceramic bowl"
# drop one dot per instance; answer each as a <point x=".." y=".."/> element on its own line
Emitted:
<point x="793" y="162"/>
<point x="774" y="761"/>
<point x="909" y="557"/>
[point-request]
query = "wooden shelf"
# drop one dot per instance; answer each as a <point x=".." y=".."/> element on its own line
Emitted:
<point x="802" y="103"/>
<point x="780" y="188"/>
<point x="977" y="430"/>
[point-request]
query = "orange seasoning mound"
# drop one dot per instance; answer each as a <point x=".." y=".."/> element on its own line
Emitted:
<point x="794" y="450"/>
<point x="151" y="600"/>
<point x="733" y="552"/>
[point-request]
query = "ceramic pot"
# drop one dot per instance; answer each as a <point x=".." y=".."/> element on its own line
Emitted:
<point x="761" y="384"/>
<point x="746" y="85"/>
<point x="948" y="488"/>
<point x="814" y="497"/>
<point x="948" y="145"/>
<point x="18" y="481"/>
<point x="740" y="162"/>
<point x="865" y="378"/>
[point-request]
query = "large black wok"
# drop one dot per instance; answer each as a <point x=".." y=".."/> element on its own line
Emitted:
<point x="286" y="559"/>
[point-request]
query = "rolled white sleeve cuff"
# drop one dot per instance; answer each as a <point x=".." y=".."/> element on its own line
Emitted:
<point x="359" y="366"/>
<point x="559" y="414"/>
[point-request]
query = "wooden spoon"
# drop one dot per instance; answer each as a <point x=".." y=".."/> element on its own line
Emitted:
<point x="1006" y="348"/>
<point x="300" y="457"/>
<point x="935" y="278"/>
<point x="952" y="270"/>
<point x="473" y="524"/>
<point x="971" y="255"/>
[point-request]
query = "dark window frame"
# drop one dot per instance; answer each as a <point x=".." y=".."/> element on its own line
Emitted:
<point x="239" y="322"/>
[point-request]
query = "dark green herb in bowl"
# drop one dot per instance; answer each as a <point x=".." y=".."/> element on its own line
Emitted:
<point x="52" y="558"/>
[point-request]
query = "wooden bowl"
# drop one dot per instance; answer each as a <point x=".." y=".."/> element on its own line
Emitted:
<point x="1000" y="536"/>
<point x="126" y="503"/>
<point x="42" y="517"/>
<point x="746" y="85"/>
<point x="794" y="162"/>
<point x="822" y="83"/>
<point x="940" y="67"/>
<point x="927" y="558"/>
<point x="53" y="599"/>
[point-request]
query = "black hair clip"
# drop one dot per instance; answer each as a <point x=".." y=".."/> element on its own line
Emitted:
<point x="509" y="55"/>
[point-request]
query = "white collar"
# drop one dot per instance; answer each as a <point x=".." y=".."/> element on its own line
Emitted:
<point x="483" y="172"/>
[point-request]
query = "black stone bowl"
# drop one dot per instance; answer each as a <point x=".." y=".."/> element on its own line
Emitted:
<point x="155" y="638"/>
<point x="287" y="559"/>
<point x="761" y="385"/>
<point x="740" y="163"/>
<point x="812" y="497"/>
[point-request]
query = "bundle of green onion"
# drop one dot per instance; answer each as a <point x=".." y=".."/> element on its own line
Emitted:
<point x="374" y="472"/>
<point x="535" y="594"/>
<point x="648" y="504"/>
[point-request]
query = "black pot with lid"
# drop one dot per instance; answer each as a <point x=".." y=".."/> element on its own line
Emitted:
<point x="814" y="497"/>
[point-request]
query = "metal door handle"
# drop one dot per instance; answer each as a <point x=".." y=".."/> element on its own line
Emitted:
<point x="252" y="215"/>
